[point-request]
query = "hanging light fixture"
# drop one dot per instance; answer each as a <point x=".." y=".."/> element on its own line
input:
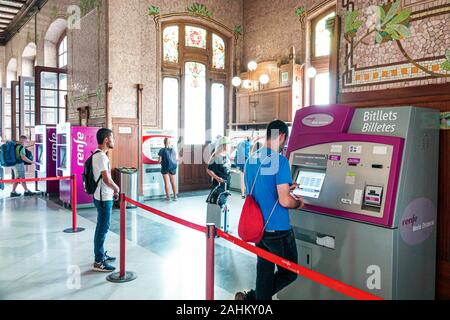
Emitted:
<point x="311" y="72"/>
<point x="252" y="66"/>
<point x="236" y="82"/>
<point x="264" y="79"/>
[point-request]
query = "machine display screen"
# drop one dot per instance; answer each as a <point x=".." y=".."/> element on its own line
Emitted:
<point x="40" y="153"/>
<point x="63" y="158"/>
<point x="310" y="183"/>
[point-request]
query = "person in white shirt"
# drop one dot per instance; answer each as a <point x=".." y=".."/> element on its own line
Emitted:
<point x="105" y="194"/>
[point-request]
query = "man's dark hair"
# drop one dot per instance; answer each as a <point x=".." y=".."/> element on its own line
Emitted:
<point x="102" y="134"/>
<point x="23" y="138"/>
<point x="279" y="127"/>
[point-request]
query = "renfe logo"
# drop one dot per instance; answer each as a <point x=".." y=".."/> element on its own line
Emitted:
<point x="318" y="120"/>
<point x="52" y="140"/>
<point x="81" y="144"/>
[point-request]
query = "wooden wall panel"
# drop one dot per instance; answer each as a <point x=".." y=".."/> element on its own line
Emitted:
<point x="126" y="152"/>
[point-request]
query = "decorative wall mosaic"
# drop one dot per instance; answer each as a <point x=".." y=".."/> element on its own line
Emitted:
<point x="418" y="58"/>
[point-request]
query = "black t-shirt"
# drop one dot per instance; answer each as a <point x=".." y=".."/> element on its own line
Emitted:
<point x="221" y="166"/>
<point x="169" y="159"/>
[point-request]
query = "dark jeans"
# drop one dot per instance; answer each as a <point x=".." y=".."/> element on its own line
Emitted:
<point x="269" y="282"/>
<point x="104" y="209"/>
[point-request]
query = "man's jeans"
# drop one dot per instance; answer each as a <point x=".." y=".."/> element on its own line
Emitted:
<point x="104" y="209"/>
<point x="269" y="282"/>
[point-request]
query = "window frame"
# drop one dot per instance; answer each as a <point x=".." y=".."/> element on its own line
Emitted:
<point x="59" y="54"/>
<point x="314" y="23"/>
<point x="321" y="64"/>
<point x="38" y="88"/>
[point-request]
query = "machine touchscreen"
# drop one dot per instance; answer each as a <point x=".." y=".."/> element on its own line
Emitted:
<point x="310" y="184"/>
<point x="40" y="153"/>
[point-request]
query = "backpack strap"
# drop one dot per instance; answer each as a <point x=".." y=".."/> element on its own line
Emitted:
<point x="99" y="178"/>
<point x="254" y="184"/>
<point x="257" y="174"/>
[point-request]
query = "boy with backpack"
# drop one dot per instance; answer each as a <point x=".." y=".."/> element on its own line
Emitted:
<point x="97" y="181"/>
<point x="16" y="156"/>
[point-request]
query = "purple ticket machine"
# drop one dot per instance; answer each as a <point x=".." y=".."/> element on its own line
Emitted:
<point x="369" y="178"/>
<point x="45" y="151"/>
<point x="74" y="146"/>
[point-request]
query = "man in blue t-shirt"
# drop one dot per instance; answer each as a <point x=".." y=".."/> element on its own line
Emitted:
<point x="268" y="179"/>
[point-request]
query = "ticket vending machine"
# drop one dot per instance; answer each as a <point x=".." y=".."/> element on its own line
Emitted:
<point x="45" y="151"/>
<point x="74" y="146"/>
<point x="370" y="182"/>
<point x="153" y="142"/>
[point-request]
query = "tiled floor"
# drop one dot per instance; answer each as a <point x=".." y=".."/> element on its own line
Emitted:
<point x="39" y="261"/>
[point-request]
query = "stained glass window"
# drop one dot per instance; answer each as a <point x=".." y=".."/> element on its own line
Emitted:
<point x="322" y="37"/>
<point x="195" y="104"/>
<point x="195" y="37"/>
<point x="170" y="44"/>
<point x="218" y="52"/>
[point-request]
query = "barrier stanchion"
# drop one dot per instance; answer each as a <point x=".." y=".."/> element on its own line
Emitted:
<point x="73" y="190"/>
<point x="210" y="252"/>
<point x="122" y="276"/>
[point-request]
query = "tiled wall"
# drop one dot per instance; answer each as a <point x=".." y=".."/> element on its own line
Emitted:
<point x="378" y="67"/>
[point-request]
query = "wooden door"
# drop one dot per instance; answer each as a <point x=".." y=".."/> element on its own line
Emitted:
<point x="194" y="117"/>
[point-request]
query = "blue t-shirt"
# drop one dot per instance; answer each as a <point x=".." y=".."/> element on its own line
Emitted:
<point x="275" y="171"/>
<point x="242" y="154"/>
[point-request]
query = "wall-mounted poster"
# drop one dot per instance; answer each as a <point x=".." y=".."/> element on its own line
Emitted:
<point x="445" y="121"/>
<point x="285" y="77"/>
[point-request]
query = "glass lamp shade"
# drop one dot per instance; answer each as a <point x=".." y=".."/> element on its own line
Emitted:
<point x="311" y="72"/>
<point x="236" y="82"/>
<point x="252" y="66"/>
<point x="264" y="79"/>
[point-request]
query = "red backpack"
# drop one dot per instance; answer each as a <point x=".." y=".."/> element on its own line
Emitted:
<point x="251" y="224"/>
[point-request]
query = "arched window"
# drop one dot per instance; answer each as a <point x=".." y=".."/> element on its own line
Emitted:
<point x="320" y="59"/>
<point x="62" y="52"/>
<point x="197" y="56"/>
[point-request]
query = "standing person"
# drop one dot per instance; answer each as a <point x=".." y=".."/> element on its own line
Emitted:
<point x="105" y="194"/>
<point x="270" y="174"/>
<point x="19" y="168"/>
<point x="219" y="168"/>
<point x="169" y="165"/>
<point x="242" y="155"/>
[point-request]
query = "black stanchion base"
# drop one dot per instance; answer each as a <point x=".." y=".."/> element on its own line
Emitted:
<point x="116" y="278"/>
<point x="77" y="230"/>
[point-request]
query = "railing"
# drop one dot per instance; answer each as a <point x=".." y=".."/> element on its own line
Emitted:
<point x="73" y="188"/>
<point x="211" y="232"/>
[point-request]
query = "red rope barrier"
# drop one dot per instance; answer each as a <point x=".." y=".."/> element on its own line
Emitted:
<point x="295" y="268"/>
<point x="73" y="188"/>
<point x="301" y="271"/>
<point x="35" y="180"/>
<point x="167" y="216"/>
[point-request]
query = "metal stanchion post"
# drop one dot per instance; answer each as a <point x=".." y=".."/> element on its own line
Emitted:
<point x="73" y="201"/>
<point x="210" y="252"/>
<point x="122" y="276"/>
